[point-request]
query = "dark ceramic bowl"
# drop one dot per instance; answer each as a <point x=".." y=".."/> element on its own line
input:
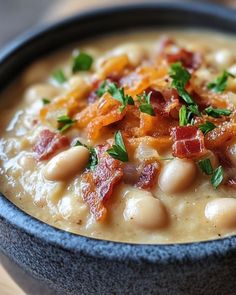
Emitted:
<point x="45" y="260"/>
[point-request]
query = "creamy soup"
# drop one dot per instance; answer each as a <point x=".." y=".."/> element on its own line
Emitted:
<point x="129" y="138"/>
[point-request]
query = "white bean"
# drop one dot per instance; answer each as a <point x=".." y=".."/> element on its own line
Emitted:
<point x="145" y="211"/>
<point x="177" y="175"/>
<point x="27" y="163"/>
<point x="67" y="164"/>
<point x="231" y="153"/>
<point x="222" y="212"/>
<point x="71" y="209"/>
<point x="223" y="58"/>
<point x="232" y="69"/>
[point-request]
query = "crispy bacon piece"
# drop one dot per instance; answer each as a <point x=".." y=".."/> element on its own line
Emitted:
<point x="173" y="53"/>
<point x="148" y="175"/>
<point x="190" y="60"/>
<point x="49" y="143"/>
<point x="101" y="113"/>
<point x="188" y="142"/>
<point x="97" y="186"/>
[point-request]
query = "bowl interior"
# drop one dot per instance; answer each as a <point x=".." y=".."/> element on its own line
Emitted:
<point x="17" y="55"/>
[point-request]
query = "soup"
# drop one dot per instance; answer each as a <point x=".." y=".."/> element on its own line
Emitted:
<point x="129" y="138"/>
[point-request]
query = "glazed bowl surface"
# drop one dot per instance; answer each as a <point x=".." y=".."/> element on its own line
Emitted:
<point x="46" y="260"/>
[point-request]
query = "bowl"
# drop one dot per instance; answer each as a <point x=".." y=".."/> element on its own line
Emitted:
<point x="46" y="260"/>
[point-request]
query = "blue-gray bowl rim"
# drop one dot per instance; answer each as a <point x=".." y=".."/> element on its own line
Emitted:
<point x="150" y="253"/>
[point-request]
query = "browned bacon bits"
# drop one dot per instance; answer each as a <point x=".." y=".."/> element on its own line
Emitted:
<point x="147" y="178"/>
<point x="97" y="186"/>
<point x="188" y="142"/>
<point x="48" y="143"/>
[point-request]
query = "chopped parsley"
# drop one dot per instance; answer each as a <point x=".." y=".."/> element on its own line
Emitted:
<point x="59" y="76"/>
<point x="180" y="78"/>
<point x="45" y="101"/>
<point x="65" y="122"/>
<point x="102" y="89"/>
<point x="217" y="177"/>
<point x="217" y="113"/>
<point x="82" y="62"/>
<point x="220" y="83"/>
<point x="207" y="127"/>
<point x="93" y="159"/>
<point x="119" y="94"/>
<point x="183" y="116"/>
<point x="118" y="150"/>
<point x="145" y="105"/>
<point x="166" y="159"/>
<point x="206" y="166"/>
<point x="116" y="92"/>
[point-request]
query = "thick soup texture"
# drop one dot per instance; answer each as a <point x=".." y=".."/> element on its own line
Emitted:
<point x="129" y="138"/>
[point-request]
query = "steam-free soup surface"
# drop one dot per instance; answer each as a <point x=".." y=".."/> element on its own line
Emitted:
<point x="129" y="138"/>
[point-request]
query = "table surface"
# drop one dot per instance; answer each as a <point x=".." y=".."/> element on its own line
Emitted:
<point x="21" y="13"/>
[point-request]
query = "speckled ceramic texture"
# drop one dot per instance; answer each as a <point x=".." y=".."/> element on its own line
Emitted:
<point x="45" y="260"/>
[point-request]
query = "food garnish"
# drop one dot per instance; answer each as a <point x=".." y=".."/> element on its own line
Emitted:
<point x="118" y="150"/>
<point x="82" y="62"/>
<point x="59" y="76"/>
<point x="45" y="101"/>
<point x="145" y="105"/>
<point x="207" y="127"/>
<point x="217" y="113"/>
<point x="220" y="84"/>
<point x="93" y="159"/>
<point x="65" y="122"/>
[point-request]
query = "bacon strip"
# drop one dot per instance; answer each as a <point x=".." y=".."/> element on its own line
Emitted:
<point x="188" y="142"/>
<point x="48" y="143"/>
<point x="97" y="186"/>
<point x="148" y="175"/>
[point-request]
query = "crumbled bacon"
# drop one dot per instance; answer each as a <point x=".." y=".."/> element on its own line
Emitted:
<point x="148" y="175"/>
<point x="173" y="53"/>
<point x="190" y="60"/>
<point x="97" y="186"/>
<point x="48" y="143"/>
<point x="188" y="142"/>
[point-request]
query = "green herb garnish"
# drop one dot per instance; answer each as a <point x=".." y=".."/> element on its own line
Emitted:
<point x="102" y="89"/>
<point x="145" y="105"/>
<point x="93" y="159"/>
<point x="65" y="122"/>
<point x="183" y="116"/>
<point x="118" y="150"/>
<point x="119" y="94"/>
<point x="220" y="84"/>
<point x="45" y="101"/>
<point x="116" y="92"/>
<point x="81" y="62"/>
<point x="217" y="113"/>
<point x="180" y="78"/>
<point x="59" y="76"/>
<point x="206" y="166"/>
<point x="166" y="159"/>
<point x="207" y="127"/>
<point x="217" y="177"/>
